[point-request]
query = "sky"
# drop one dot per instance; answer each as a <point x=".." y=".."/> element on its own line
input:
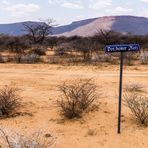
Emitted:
<point x="67" y="11"/>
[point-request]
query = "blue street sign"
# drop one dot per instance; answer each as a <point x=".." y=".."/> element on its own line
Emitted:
<point x="122" y="48"/>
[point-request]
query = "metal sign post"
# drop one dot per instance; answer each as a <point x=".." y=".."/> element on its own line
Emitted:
<point x="121" y="48"/>
<point x="120" y="92"/>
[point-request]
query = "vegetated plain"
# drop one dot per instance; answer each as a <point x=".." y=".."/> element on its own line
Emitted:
<point x="98" y="128"/>
<point x="38" y="64"/>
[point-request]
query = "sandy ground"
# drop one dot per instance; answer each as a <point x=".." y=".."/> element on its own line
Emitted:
<point x="97" y="129"/>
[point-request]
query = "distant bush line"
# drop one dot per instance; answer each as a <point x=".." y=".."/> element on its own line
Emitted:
<point x="70" y="50"/>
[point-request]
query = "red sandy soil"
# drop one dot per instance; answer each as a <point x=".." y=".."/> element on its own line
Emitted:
<point x="96" y="129"/>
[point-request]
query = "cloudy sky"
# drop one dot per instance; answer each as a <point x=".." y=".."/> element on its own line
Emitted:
<point x="66" y="11"/>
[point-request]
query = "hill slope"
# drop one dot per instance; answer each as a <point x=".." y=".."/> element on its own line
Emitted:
<point x="122" y="24"/>
<point x="89" y="27"/>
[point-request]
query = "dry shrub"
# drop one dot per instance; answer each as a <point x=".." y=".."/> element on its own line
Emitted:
<point x="129" y="58"/>
<point x="76" y="97"/>
<point x="59" y="52"/>
<point x="31" y="58"/>
<point x="2" y="59"/>
<point x="138" y="104"/>
<point x="75" y="60"/>
<point x="18" y="58"/>
<point x="54" y="60"/>
<point x="134" y="87"/>
<point x="39" y="51"/>
<point x="105" y="58"/>
<point x="11" y="139"/>
<point x="91" y="132"/>
<point x="62" y="49"/>
<point x="10" y="59"/>
<point x="28" y="58"/>
<point x="9" y="101"/>
<point x="144" y="58"/>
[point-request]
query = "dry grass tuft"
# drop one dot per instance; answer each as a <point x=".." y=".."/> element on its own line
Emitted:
<point x="11" y="139"/>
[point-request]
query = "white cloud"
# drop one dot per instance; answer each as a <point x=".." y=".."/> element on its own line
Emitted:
<point x="146" y="1"/>
<point x="18" y="10"/>
<point x="56" y="1"/>
<point x="80" y="17"/>
<point x="5" y="2"/>
<point x="72" y="5"/>
<point x="50" y="1"/>
<point x="119" y="10"/>
<point x="64" y="3"/>
<point x="145" y="12"/>
<point x="99" y="4"/>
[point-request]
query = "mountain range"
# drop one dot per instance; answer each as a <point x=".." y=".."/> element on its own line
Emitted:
<point x="89" y="27"/>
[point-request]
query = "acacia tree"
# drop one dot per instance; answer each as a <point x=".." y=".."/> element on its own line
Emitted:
<point x="16" y="44"/>
<point x="52" y="41"/>
<point x="85" y="46"/>
<point x="38" y="31"/>
<point x="106" y="37"/>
